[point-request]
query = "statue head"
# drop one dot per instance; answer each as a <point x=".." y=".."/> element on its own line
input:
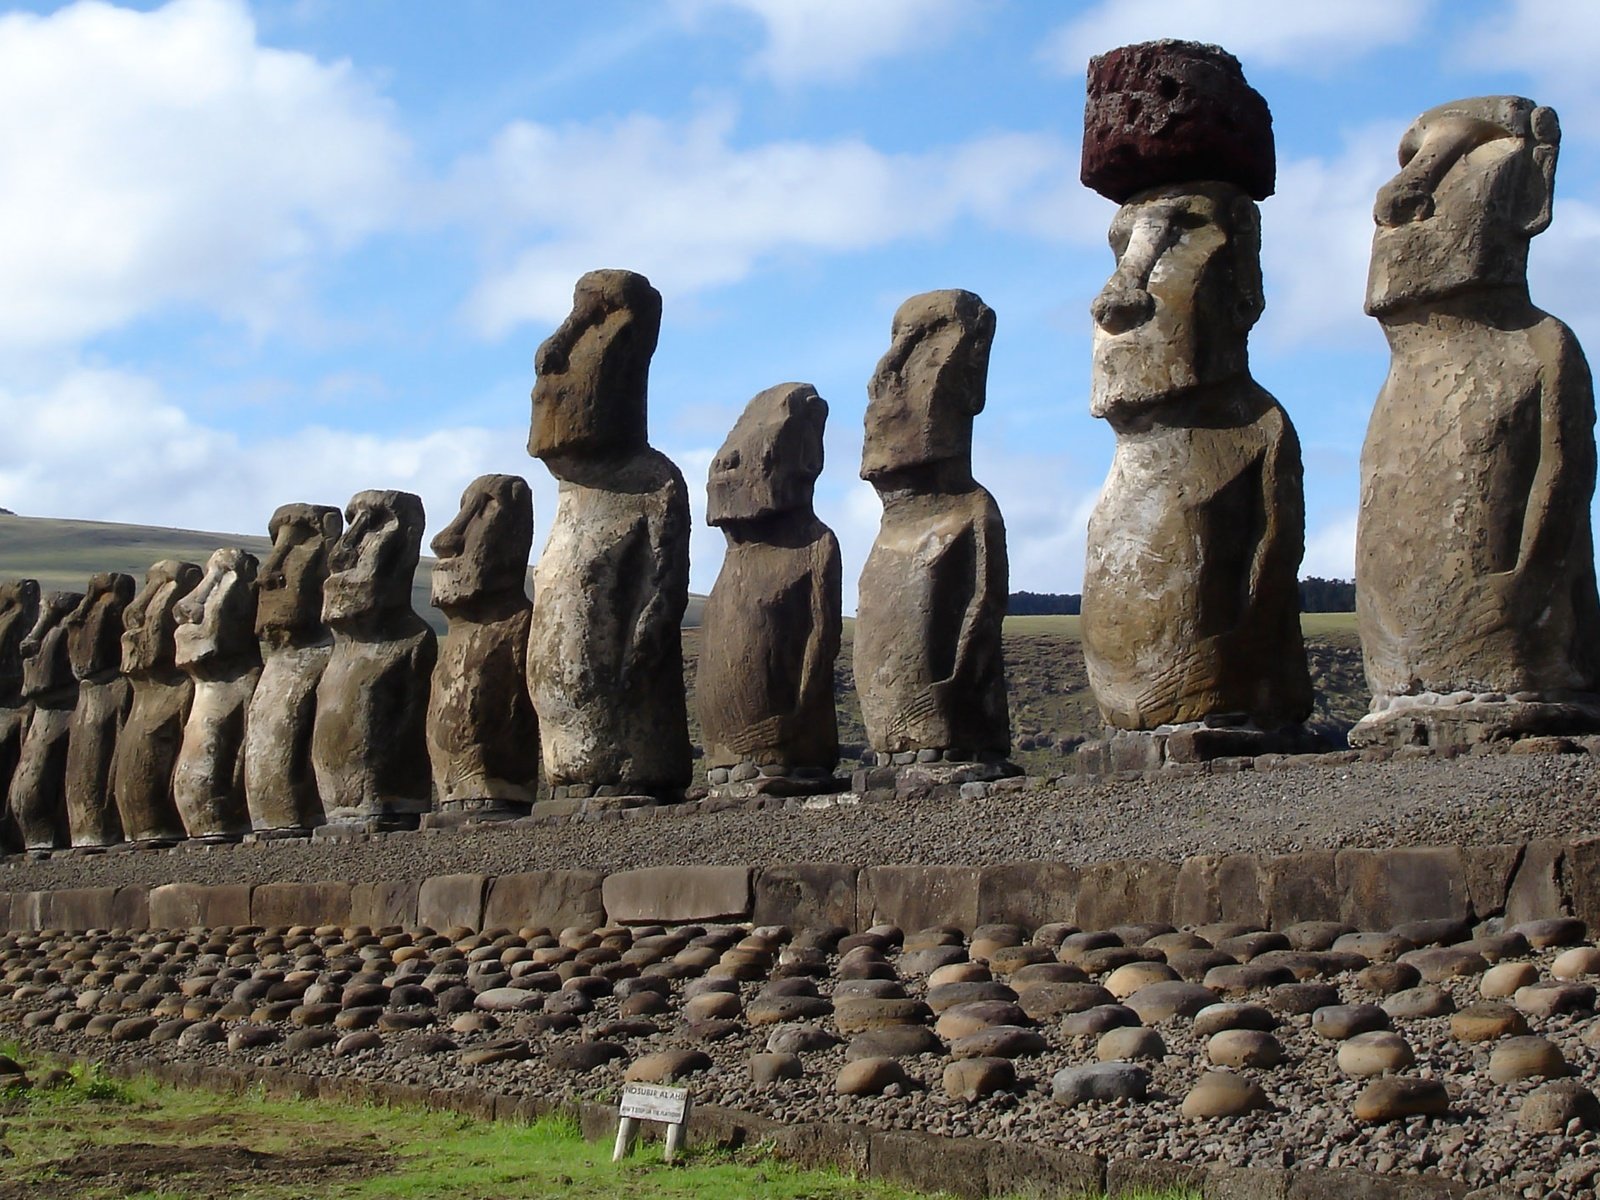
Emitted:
<point x="593" y="372"/>
<point x="46" y="666"/>
<point x="289" y="584"/>
<point x="217" y="620"/>
<point x="1176" y="314"/>
<point x="371" y="565"/>
<point x="19" y="608"/>
<point x="150" y="622"/>
<point x="771" y="460"/>
<point x="1476" y="182"/>
<point x="929" y="386"/>
<point x="94" y="630"/>
<point x="484" y="552"/>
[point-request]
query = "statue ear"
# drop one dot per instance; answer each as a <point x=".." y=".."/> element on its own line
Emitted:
<point x="1539" y="183"/>
<point x="332" y="524"/>
<point x="1245" y="236"/>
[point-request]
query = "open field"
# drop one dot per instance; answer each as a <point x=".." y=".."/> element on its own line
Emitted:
<point x="93" y="1138"/>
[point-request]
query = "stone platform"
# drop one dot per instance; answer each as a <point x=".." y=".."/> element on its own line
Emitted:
<point x="1461" y="721"/>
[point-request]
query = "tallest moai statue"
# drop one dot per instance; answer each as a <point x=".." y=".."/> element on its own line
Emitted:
<point x="1191" y="613"/>
<point x="1475" y="580"/>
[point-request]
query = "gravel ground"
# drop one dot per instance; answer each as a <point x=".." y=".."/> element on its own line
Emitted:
<point x="48" y="986"/>
<point x="1467" y="801"/>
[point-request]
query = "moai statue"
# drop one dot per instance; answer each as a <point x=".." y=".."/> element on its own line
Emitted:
<point x="770" y="631"/>
<point x="605" y="658"/>
<point x="1475" y="581"/>
<point x="216" y="647"/>
<point x="280" y="788"/>
<point x="94" y="644"/>
<point x="38" y="799"/>
<point x="1191" y="613"/>
<point x="147" y="750"/>
<point x="483" y="737"/>
<point x="928" y="663"/>
<point x="369" y="747"/>
<point x="19" y="609"/>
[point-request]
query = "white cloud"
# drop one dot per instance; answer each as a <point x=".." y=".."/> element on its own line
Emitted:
<point x="1309" y="38"/>
<point x="1556" y="45"/>
<point x="689" y="208"/>
<point x="831" y="41"/>
<point x="166" y="158"/>
<point x="1331" y="548"/>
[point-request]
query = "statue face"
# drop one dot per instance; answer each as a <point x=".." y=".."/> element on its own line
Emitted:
<point x="593" y="372"/>
<point x="46" y="667"/>
<point x="929" y="386"/>
<point x="289" y="585"/>
<point x="484" y="551"/>
<point x="771" y="460"/>
<point x="94" y="630"/>
<point x="1475" y="185"/>
<point x="149" y="622"/>
<point x="19" y="608"/>
<point x="217" y="621"/>
<point x="1176" y="312"/>
<point x="371" y="565"/>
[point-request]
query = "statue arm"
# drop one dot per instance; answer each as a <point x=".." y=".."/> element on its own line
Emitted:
<point x="822" y="647"/>
<point x="1564" y="481"/>
<point x="1275" y="559"/>
<point x="666" y="591"/>
<point x="988" y="604"/>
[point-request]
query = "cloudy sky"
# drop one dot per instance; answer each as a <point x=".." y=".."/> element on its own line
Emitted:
<point x="253" y="253"/>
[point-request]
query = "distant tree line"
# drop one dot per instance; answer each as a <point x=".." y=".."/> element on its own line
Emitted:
<point x="1316" y="595"/>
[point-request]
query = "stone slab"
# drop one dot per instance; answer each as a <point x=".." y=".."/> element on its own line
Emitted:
<point x="952" y="1166"/>
<point x="448" y="901"/>
<point x="549" y="899"/>
<point x="131" y="908"/>
<point x="1538" y="888"/>
<point x="1301" y="887"/>
<point x="383" y="903"/>
<point x="324" y="903"/>
<point x="1219" y="887"/>
<point x="1380" y="888"/>
<point x="1583" y="880"/>
<point x="191" y="905"/>
<point x="666" y="894"/>
<point x="918" y="897"/>
<point x="1026" y="1170"/>
<point x="79" y="909"/>
<point x="1029" y="894"/>
<point x="802" y="894"/>
<point x="1490" y="870"/>
<point x="1125" y="890"/>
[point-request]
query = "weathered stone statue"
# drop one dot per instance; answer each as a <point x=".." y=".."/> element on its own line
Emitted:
<point x="369" y="747"/>
<point x="19" y="609"/>
<point x="216" y="647"/>
<point x="483" y="737"/>
<point x="771" y="627"/>
<point x="1475" y="582"/>
<point x="280" y="786"/>
<point x="147" y="750"/>
<point x="94" y="644"/>
<point x="605" y="666"/>
<point x="38" y="798"/>
<point x="1191" y="606"/>
<point x="928" y="663"/>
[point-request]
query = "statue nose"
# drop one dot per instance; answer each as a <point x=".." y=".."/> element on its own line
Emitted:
<point x="1402" y="201"/>
<point x="1119" y="309"/>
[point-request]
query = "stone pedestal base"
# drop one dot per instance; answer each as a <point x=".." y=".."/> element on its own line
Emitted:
<point x="747" y="781"/>
<point x="927" y="780"/>
<point x="591" y="802"/>
<point x="351" y="826"/>
<point x="1461" y="720"/>
<point x="1191" y="744"/>
<point x="453" y="814"/>
<point x="285" y="834"/>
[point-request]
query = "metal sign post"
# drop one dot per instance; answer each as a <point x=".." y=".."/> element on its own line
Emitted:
<point x="669" y="1106"/>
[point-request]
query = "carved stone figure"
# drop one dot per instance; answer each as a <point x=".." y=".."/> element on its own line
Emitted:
<point x="771" y="627"/>
<point x="94" y="644"/>
<point x="605" y="665"/>
<point x="1191" y="606"/>
<point x="19" y="609"/>
<point x="928" y="663"/>
<point x="147" y="751"/>
<point x="483" y="737"/>
<point x="369" y="747"/>
<point x="1475" y="582"/>
<point x="280" y="786"/>
<point x="216" y="647"/>
<point x="38" y="798"/>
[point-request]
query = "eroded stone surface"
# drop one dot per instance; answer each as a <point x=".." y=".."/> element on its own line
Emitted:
<point x="280" y="785"/>
<point x="216" y="647"/>
<point x="1190" y="599"/>
<point x="147" y="751"/>
<point x="369" y="746"/>
<point x="38" y="796"/>
<point x="19" y="609"/>
<point x="928" y="662"/>
<point x="771" y="627"/>
<point x="483" y="737"/>
<point x="605" y="655"/>
<point x="94" y="644"/>
<point x="1497" y="602"/>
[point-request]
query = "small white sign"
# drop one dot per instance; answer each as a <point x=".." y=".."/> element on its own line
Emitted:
<point x="655" y="1102"/>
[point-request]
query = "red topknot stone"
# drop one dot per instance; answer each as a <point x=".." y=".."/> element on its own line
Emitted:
<point x="1174" y="112"/>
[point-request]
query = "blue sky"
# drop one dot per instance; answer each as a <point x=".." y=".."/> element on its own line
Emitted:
<point x="284" y="251"/>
